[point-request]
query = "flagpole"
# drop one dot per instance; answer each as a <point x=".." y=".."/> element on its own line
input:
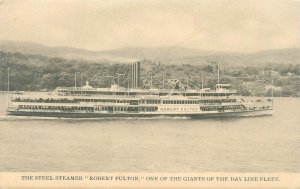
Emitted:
<point x="272" y="92"/>
<point x="75" y="80"/>
<point x="163" y="81"/>
<point x="80" y="79"/>
<point x="187" y="82"/>
<point x="8" y="86"/>
<point x="128" y="86"/>
<point x="8" y="80"/>
<point x="202" y="81"/>
<point x="218" y="73"/>
<point x="202" y="85"/>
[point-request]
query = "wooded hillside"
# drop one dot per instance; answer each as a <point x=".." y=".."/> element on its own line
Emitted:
<point x="36" y="72"/>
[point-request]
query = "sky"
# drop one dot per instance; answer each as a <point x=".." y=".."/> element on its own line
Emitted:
<point x="221" y="25"/>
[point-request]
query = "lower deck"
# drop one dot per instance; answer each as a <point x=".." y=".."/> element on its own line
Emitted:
<point x="138" y="114"/>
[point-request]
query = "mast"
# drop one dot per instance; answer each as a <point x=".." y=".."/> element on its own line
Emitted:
<point x="218" y="73"/>
<point x="75" y="81"/>
<point x="163" y="81"/>
<point x="202" y="81"/>
<point x="128" y="86"/>
<point x="8" y="80"/>
<point x="201" y="90"/>
<point x="187" y="82"/>
<point x="8" y="86"/>
<point x="80" y="79"/>
<point x="272" y="92"/>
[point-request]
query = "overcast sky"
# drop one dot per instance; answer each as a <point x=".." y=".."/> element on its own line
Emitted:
<point x="223" y="25"/>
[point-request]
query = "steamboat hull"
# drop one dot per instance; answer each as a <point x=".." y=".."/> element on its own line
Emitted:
<point x="142" y="115"/>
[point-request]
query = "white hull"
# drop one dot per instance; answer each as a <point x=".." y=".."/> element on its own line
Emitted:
<point x="195" y="115"/>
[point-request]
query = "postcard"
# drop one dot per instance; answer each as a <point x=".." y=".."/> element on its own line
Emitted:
<point x="149" y="94"/>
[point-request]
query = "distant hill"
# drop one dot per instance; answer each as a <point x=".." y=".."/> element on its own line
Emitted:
<point x="176" y="55"/>
<point x="58" y="52"/>
<point x="160" y="53"/>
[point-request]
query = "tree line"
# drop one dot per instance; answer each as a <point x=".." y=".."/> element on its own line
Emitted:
<point x="36" y="73"/>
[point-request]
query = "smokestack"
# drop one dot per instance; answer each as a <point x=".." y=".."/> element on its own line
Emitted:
<point x="135" y="75"/>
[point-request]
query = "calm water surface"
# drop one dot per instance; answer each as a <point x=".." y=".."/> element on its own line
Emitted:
<point x="261" y="144"/>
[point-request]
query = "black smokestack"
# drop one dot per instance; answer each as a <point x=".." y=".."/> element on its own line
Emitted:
<point x="135" y="75"/>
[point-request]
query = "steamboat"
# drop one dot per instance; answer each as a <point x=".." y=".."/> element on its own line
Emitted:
<point x="117" y="101"/>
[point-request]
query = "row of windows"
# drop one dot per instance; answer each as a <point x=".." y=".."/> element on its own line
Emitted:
<point x="105" y="100"/>
<point x="148" y="109"/>
<point x="232" y="107"/>
<point x="120" y="101"/>
<point x="151" y="101"/>
<point x="125" y="101"/>
<point x="218" y="108"/>
<point x="145" y="109"/>
<point x="48" y="100"/>
<point x="180" y="102"/>
<point x="197" y="101"/>
<point x="127" y="109"/>
<point x="89" y="93"/>
<point x="74" y="108"/>
<point x="102" y="100"/>
<point x="217" y="100"/>
<point x="207" y="94"/>
<point x="91" y="109"/>
<point x="63" y="108"/>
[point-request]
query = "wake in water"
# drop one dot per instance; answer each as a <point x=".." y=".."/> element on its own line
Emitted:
<point x="4" y="117"/>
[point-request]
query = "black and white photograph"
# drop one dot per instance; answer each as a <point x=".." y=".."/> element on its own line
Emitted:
<point x="150" y="86"/>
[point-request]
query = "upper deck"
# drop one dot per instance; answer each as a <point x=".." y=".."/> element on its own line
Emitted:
<point x="115" y="90"/>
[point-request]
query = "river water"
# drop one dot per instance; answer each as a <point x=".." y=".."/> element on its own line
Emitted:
<point x="260" y="144"/>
